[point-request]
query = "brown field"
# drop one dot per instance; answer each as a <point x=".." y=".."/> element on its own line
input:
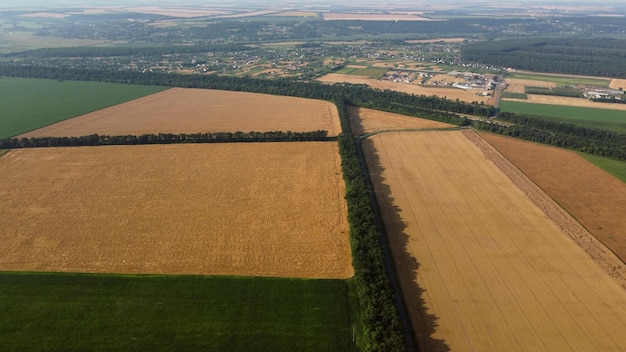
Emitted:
<point x="483" y="268"/>
<point x="183" y="12"/>
<point x="618" y="83"/>
<point x="529" y="83"/>
<point x="591" y="195"/>
<point x="437" y="40"/>
<point x="334" y="16"/>
<point x="296" y="14"/>
<point x="450" y="93"/>
<point x="367" y="120"/>
<point x="180" y="110"/>
<point x="568" y="101"/>
<point x="266" y="209"/>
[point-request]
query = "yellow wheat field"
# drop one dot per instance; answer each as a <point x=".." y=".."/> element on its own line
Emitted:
<point x="618" y="83"/>
<point x="261" y="209"/>
<point x="482" y="268"/>
<point x="180" y="110"/>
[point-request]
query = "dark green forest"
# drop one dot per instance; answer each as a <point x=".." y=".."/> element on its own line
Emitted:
<point x="578" y="56"/>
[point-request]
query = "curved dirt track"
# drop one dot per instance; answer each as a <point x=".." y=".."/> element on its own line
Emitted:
<point x="481" y="266"/>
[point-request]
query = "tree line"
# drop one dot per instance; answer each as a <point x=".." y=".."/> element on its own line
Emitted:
<point x="377" y="314"/>
<point x="587" y="140"/>
<point x="577" y="56"/>
<point x="164" y="138"/>
<point x="357" y="94"/>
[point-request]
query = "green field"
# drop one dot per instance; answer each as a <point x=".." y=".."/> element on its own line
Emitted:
<point x="514" y="95"/>
<point x="612" y="120"/>
<point x="614" y="167"/>
<point x="84" y="312"/>
<point x="561" y="80"/>
<point x="371" y="72"/>
<point x="28" y="104"/>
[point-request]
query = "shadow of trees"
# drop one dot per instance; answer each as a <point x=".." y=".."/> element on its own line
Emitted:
<point x="402" y="265"/>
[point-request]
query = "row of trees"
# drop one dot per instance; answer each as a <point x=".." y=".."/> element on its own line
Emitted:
<point x="357" y="94"/>
<point x="588" y="140"/>
<point x="163" y="138"/>
<point x="579" y="56"/>
<point x="380" y="322"/>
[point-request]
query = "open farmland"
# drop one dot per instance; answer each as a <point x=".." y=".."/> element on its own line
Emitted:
<point x="262" y="209"/>
<point x="180" y="110"/>
<point x="569" y="101"/>
<point x="28" y="104"/>
<point x="480" y="265"/>
<point x="87" y="312"/>
<point x="466" y="95"/>
<point x="364" y="120"/>
<point x="595" y="198"/>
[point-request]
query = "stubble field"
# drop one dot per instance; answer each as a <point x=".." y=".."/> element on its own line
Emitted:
<point x="364" y="120"/>
<point x="180" y="110"/>
<point x="269" y="209"/>
<point x="594" y="197"/>
<point x="480" y="265"/>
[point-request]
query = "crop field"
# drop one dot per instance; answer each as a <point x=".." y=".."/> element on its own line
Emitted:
<point x="257" y="209"/>
<point x="364" y="120"/>
<point x="618" y="83"/>
<point x="20" y="41"/>
<point x="80" y="312"/>
<point x="594" y="197"/>
<point x="28" y="104"/>
<point x="450" y="93"/>
<point x="180" y="110"/>
<point x="613" y="120"/>
<point x="371" y="72"/>
<point x="480" y="264"/>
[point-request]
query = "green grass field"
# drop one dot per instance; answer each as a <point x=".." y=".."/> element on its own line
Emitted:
<point x="561" y="80"/>
<point x="371" y="72"/>
<point x="84" y="312"/>
<point x="612" y="120"/>
<point x="28" y="104"/>
<point x="614" y="167"/>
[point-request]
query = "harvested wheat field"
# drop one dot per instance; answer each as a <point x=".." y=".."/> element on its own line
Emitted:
<point x="364" y="120"/>
<point x="618" y="83"/>
<point x="262" y="209"/>
<point x="483" y="268"/>
<point x="591" y="195"/>
<point x="466" y="95"/>
<point x="180" y="110"/>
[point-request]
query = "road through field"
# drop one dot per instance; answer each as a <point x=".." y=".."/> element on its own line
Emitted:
<point x="482" y="268"/>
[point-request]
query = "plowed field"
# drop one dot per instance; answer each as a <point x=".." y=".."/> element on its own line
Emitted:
<point x="364" y="120"/>
<point x="481" y="266"/>
<point x="594" y="197"/>
<point x="262" y="209"/>
<point x="180" y="110"/>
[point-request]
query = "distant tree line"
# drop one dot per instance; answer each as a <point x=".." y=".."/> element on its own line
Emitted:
<point x="588" y="140"/>
<point x="577" y="56"/>
<point x="357" y="94"/>
<point x="126" y="50"/>
<point x="164" y="138"/>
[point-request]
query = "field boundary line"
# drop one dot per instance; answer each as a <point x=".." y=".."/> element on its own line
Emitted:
<point x="602" y="255"/>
